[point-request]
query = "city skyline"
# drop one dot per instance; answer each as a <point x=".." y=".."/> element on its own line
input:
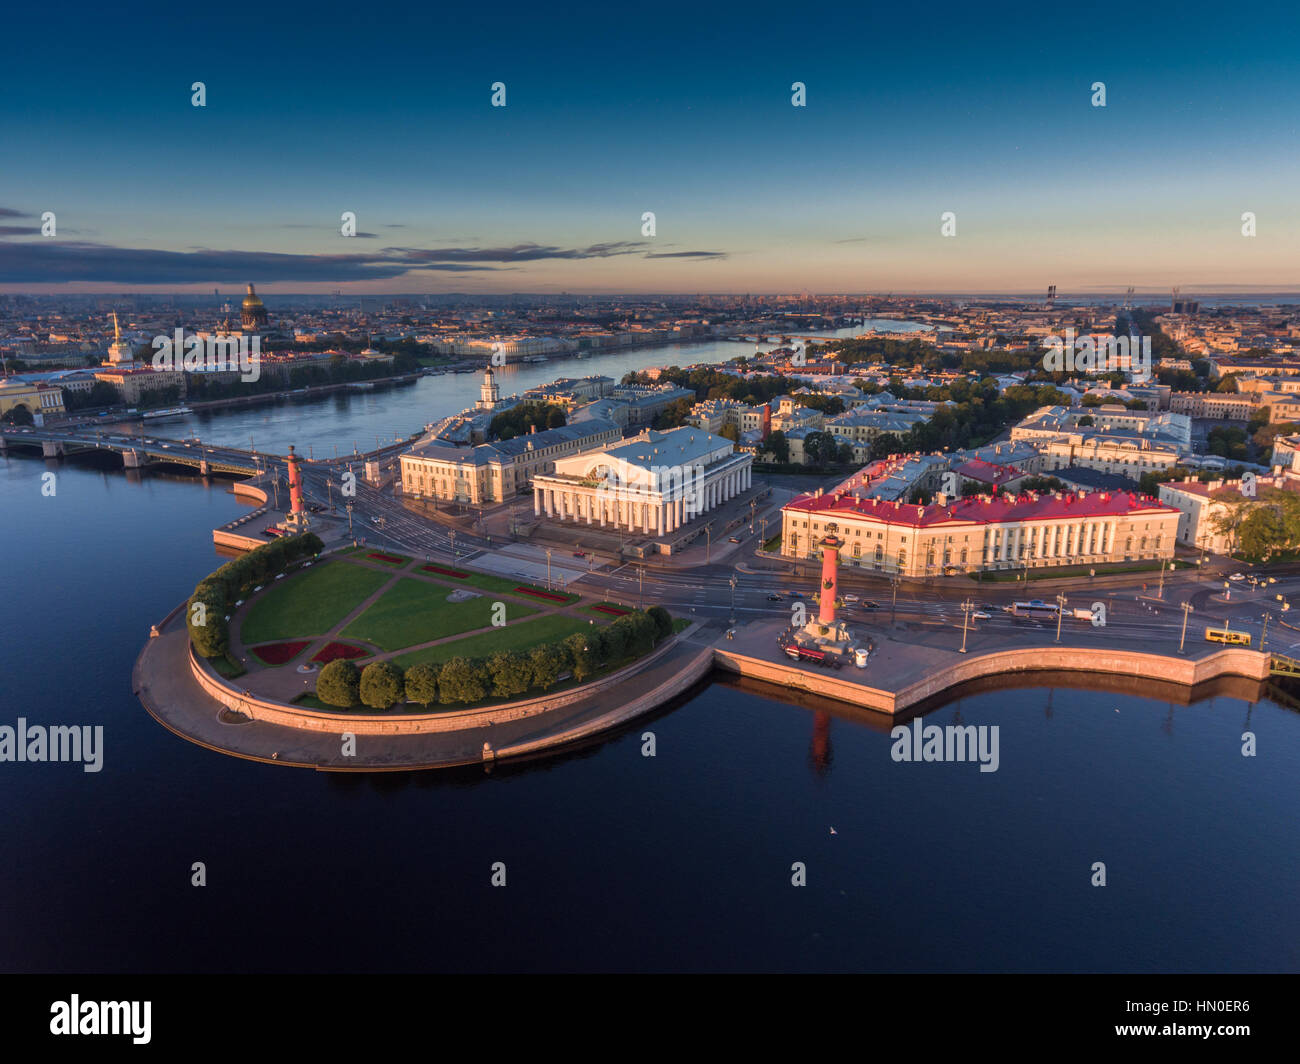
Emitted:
<point x="608" y="116"/>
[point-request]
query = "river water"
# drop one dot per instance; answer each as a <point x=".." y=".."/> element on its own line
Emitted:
<point x="614" y="860"/>
<point x="338" y="422"/>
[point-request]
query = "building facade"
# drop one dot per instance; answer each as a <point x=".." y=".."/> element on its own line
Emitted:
<point x="1029" y="531"/>
<point x="653" y="484"/>
<point x="496" y="472"/>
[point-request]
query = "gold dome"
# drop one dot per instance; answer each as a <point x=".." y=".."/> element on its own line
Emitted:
<point x="251" y="299"/>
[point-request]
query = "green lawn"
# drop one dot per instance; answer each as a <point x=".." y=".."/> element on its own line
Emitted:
<point x="310" y="602"/>
<point x="416" y="611"/>
<point x="524" y="636"/>
<point x="227" y="667"/>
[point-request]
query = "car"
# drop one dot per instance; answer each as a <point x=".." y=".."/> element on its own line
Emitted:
<point x="735" y="539"/>
<point x="1237" y="576"/>
<point x="988" y="607"/>
<point x="852" y="598"/>
<point x="774" y="597"/>
<point x="980" y="615"/>
<point x="579" y="553"/>
<point x="869" y="605"/>
<point x="796" y="594"/>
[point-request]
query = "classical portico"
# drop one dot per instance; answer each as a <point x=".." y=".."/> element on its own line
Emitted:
<point x="653" y="484"/>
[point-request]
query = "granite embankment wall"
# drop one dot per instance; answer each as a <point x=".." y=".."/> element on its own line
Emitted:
<point x="416" y="723"/>
<point x="1189" y="672"/>
<point x="226" y="535"/>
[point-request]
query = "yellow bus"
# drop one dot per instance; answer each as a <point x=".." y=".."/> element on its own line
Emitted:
<point x="1225" y="635"/>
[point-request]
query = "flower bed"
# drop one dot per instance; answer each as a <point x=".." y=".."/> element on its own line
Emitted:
<point x="279" y="653"/>
<point x="615" y="610"/>
<point x="445" y="572"/>
<point x="387" y="559"/>
<point x="543" y="594"/>
<point x="332" y="651"/>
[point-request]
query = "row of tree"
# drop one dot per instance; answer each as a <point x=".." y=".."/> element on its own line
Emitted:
<point x="519" y="420"/>
<point x="215" y="595"/>
<point x="506" y="674"/>
<point x="1260" y="526"/>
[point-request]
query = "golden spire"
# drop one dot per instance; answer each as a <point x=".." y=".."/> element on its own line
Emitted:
<point x="117" y="330"/>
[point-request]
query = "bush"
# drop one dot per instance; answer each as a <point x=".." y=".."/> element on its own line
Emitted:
<point x="339" y="684"/>
<point x="422" y="684"/>
<point x="381" y="684"/>
<point x="460" y="680"/>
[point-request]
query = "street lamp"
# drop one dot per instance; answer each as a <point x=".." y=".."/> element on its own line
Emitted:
<point x="640" y="581"/>
<point x="548" y="568"/>
<point x="1060" y="613"/>
<point x="349" y="508"/>
<point x="732" y="582"/>
<point x="452" y="536"/>
<point x="1187" y="608"/>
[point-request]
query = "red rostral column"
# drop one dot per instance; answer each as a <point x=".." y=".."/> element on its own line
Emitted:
<point x="830" y="579"/>
<point x="767" y="420"/>
<point x="295" y="482"/>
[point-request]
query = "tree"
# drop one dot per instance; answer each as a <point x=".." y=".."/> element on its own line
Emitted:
<point x="643" y="633"/>
<point x="1228" y="383"/>
<point x="422" y="684"/>
<point x="339" y="684"/>
<point x="459" y="681"/>
<point x="18" y="415"/>
<point x="511" y="672"/>
<point x="1086" y="420"/>
<point x="547" y="662"/>
<point x="663" y="621"/>
<point x="585" y="657"/>
<point x="730" y="432"/>
<point x="381" y="684"/>
<point x="1262" y="533"/>
<point x="1228" y="517"/>
<point x="613" y="641"/>
<point x="778" y="446"/>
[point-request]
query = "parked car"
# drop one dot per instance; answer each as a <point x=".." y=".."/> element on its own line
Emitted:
<point x="1237" y="576"/>
<point x="851" y="598"/>
<point x="980" y="615"/>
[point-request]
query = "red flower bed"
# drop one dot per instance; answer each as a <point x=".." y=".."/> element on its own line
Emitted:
<point x="445" y="572"/>
<point x="542" y="594"/>
<point x="279" y="653"/>
<point x="331" y="651"/>
<point x="392" y="559"/>
<point x="612" y="609"/>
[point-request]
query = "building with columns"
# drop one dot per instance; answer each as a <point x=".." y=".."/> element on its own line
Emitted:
<point x="652" y="484"/>
<point x="981" y="532"/>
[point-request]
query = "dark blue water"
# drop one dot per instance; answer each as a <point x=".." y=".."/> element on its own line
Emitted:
<point x="614" y="861"/>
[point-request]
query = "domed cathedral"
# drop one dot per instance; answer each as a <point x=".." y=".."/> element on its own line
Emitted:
<point x="252" y="315"/>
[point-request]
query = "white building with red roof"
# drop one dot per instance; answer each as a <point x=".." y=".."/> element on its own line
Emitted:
<point x="981" y="532"/>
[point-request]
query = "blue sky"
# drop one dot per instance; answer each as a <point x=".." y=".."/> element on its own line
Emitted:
<point x="680" y="109"/>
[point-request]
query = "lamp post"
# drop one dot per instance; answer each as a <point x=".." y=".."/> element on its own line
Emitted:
<point x="640" y="582"/>
<point x="349" y="507"/>
<point x="1187" y="608"/>
<point x="966" y="607"/>
<point x="893" y="609"/>
<point x="1160" y="592"/>
<point x="1060" y="613"/>
<point x="732" y="582"/>
<point x="548" y="568"/>
<point x="1263" y="639"/>
<point x="708" y="543"/>
<point x="451" y="534"/>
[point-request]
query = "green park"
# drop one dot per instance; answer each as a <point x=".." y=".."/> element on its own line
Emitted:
<point x="370" y="631"/>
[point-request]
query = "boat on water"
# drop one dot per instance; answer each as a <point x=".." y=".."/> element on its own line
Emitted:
<point x="536" y="358"/>
<point x="168" y="414"/>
